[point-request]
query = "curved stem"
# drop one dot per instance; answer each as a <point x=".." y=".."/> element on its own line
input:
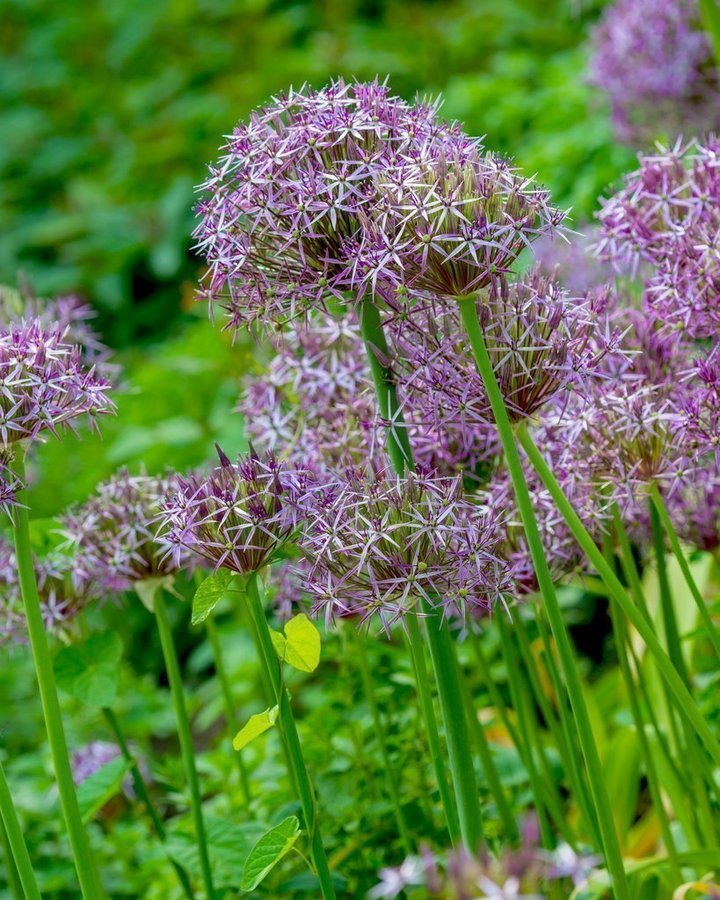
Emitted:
<point x="187" y="750"/>
<point x="422" y="681"/>
<point x="601" y="802"/>
<point x="16" y="842"/>
<point x="230" y="715"/>
<point x="142" y="793"/>
<point x="301" y="777"/>
<point x="88" y="875"/>
<point x="636" y="617"/>
<point x="392" y="777"/>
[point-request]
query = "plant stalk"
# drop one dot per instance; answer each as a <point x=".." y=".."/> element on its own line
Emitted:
<point x="16" y="843"/>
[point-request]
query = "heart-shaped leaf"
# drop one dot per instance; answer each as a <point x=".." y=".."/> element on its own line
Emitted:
<point x="256" y="725"/>
<point x="300" y="645"/>
<point x="268" y="851"/>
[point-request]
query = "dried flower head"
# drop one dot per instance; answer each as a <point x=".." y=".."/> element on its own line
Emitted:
<point x="115" y="533"/>
<point x="381" y="545"/>
<point x="655" y="62"/>
<point x="237" y="517"/>
<point x="286" y="206"/>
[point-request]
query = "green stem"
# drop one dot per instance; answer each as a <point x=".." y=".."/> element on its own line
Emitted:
<point x="16" y="841"/>
<point x="301" y="777"/>
<point x="230" y="714"/>
<point x="710" y="13"/>
<point x="606" y="824"/>
<point x="422" y="681"/>
<point x="635" y="616"/>
<point x="392" y="777"/>
<point x="142" y="793"/>
<point x="187" y="750"/>
<point x="88" y="876"/>
<point x="677" y="550"/>
<point x="11" y="874"/>
<point x="397" y="442"/>
<point x="457" y="735"/>
<point x="672" y="635"/>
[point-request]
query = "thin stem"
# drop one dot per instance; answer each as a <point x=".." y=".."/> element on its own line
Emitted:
<point x="16" y="840"/>
<point x="11" y="874"/>
<point x="452" y="707"/>
<point x="710" y="14"/>
<point x="422" y="681"/>
<point x="301" y="777"/>
<point x="603" y="811"/>
<point x="677" y="550"/>
<point x="142" y="793"/>
<point x="672" y="636"/>
<point x="667" y="670"/>
<point x="88" y="875"/>
<point x="392" y="777"/>
<point x="230" y="714"/>
<point x="187" y="750"/>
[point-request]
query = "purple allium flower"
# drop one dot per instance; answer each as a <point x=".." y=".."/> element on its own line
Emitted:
<point x="237" y="517"/>
<point x="568" y="863"/>
<point x="570" y="260"/>
<point x="287" y="207"/>
<point x="44" y="384"/>
<point x="460" y="220"/>
<point x="541" y="342"/>
<point x="394" y="880"/>
<point x="655" y="62"/>
<point x="287" y="581"/>
<point x="379" y="544"/>
<point x="667" y="218"/>
<point x="115" y="533"/>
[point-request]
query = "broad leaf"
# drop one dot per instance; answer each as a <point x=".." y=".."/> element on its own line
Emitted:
<point x="90" y="671"/>
<point x="256" y="725"/>
<point x="268" y="851"/>
<point x="300" y="645"/>
<point x="101" y="786"/>
<point x="209" y="594"/>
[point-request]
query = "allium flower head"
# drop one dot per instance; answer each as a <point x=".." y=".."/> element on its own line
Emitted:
<point x="285" y="208"/>
<point x="115" y="533"/>
<point x="655" y="62"/>
<point x="460" y="220"/>
<point x="44" y="384"/>
<point x="237" y="517"/>
<point x="380" y="545"/>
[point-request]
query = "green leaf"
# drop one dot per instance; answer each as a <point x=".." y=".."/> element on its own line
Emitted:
<point x="90" y="671"/>
<point x="101" y="786"/>
<point x="148" y="587"/>
<point x="300" y="645"/>
<point x="256" y="725"/>
<point x="209" y="594"/>
<point x="268" y="851"/>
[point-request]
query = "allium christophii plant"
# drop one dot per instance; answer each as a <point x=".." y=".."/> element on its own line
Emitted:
<point x="44" y="384"/>
<point x="115" y="533"/>
<point x="379" y="544"/>
<point x="460" y="220"/>
<point x="655" y="62"/>
<point x="667" y="217"/>
<point x="285" y="209"/>
<point x="238" y="517"/>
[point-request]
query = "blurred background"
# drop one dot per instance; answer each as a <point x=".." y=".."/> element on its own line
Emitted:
<point x="111" y="110"/>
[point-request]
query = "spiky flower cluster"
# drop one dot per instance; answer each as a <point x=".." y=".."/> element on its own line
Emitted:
<point x="459" y="221"/>
<point x="44" y="384"/>
<point x="382" y="545"/>
<point x="115" y="533"/>
<point x="655" y="62"/>
<point x="541" y="342"/>
<point x="286" y="207"/>
<point x="667" y="217"/>
<point x="238" y="517"/>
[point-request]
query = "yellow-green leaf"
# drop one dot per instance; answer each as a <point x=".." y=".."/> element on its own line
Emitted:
<point x="302" y="644"/>
<point x="279" y="643"/>
<point x="256" y="725"/>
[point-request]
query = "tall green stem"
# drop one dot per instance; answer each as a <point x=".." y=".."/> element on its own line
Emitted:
<point x="16" y="840"/>
<point x="710" y="13"/>
<point x="672" y="635"/>
<point x="301" y="777"/>
<point x="392" y="777"/>
<point x="422" y="681"/>
<point x="677" y="550"/>
<point x="547" y="589"/>
<point x="142" y="793"/>
<point x="88" y="876"/>
<point x="229" y="702"/>
<point x="11" y="873"/>
<point x="452" y="706"/>
<point x="187" y="750"/>
<point x="634" y="615"/>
